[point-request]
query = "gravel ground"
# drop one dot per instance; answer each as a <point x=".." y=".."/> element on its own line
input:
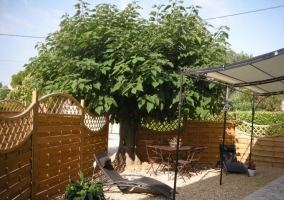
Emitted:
<point x="205" y="185"/>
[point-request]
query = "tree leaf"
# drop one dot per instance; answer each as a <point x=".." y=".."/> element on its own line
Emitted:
<point x="149" y="106"/>
<point x="139" y="87"/>
<point x="211" y="85"/>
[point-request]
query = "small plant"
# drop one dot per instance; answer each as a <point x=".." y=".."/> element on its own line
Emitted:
<point x="174" y="139"/>
<point x="84" y="190"/>
<point x="251" y="165"/>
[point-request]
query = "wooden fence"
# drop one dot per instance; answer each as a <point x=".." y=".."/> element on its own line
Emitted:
<point x="55" y="137"/>
<point x="201" y="133"/>
<point x="266" y="150"/>
<point x="46" y="145"/>
<point x="10" y="108"/>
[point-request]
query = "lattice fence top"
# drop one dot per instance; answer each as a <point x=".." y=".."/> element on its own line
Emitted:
<point x="11" y="105"/>
<point x="93" y="122"/>
<point x="14" y="131"/>
<point x="156" y="125"/>
<point x="59" y="104"/>
<point x="219" y="118"/>
<point x="260" y="130"/>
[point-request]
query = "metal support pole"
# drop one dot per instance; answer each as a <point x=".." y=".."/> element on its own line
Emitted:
<point x="252" y="122"/>
<point x="225" y="109"/>
<point x="178" y="136"/>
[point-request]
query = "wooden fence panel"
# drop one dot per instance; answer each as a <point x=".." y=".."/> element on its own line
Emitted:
<point x="11" y="108"/>
<point x="209" y="134"/>
<point x="68" y="136"/>
<point x="58" y="151"/>
<point x="65" y="137"/>
<point x="198" y="133"/>
<point x="266" y="151"/>
<point x="93" y="142"/>
<point x="15" y="172"/>
<point x="147" y="134"/>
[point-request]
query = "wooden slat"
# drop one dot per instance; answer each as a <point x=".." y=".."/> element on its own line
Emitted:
<point x="56" y="180"/>
<point x="48" y="142"/>
<point x="14" y="177"/>
<point x="59" y="118"/>
<point x="16" y="189"/>
<point x="56" y="170"/>
<point x="57" y="150"/>
<point x="59" y="128"/>
<point x="94" y="148"/>
<point x="14" y="163"/>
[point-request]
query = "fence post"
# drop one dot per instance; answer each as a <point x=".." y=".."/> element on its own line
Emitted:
<point x="34" y="142"/>
<point x="82" y="113"/>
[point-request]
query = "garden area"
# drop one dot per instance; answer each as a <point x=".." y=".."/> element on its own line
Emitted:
<point x="64" y="147"/>
<point x="106" y="66"/>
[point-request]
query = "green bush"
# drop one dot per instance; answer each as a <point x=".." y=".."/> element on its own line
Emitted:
<point x="84" y="190"/>
<point x="261" y="117"/>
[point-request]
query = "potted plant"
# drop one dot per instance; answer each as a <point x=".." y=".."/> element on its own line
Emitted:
<point x="173" y="141"/>
<point x="251" y="168"/>
<point x="84" y="190"/>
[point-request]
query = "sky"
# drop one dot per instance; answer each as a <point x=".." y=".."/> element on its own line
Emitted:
<point x="253" y="33"/>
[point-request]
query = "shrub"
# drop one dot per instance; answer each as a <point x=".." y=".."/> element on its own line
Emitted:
<point x="84" y="190"/>
<point x="261" y="117"/>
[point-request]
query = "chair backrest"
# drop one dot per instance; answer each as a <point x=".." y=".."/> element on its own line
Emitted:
<point x="229" y="153"/>
<point x="150" y="151"/>
<point x="190" y="154"/>
<point x="197" y="153"/>
<point x="104" y="162"/>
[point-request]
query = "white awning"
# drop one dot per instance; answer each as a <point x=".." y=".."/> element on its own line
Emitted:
<point x="263" y="74"/>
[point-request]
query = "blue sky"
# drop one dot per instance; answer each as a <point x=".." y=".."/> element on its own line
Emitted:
<point x="254" y="33"/>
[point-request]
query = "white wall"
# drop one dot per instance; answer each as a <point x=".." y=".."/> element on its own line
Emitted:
<point x="115" y="128"/>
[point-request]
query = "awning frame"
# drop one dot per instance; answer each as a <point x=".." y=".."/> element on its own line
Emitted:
<point x="252" y="85"/>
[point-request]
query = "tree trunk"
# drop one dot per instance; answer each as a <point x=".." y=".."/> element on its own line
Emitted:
<point x="126" y="153"/>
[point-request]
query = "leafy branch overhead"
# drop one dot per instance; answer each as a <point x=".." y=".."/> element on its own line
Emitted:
<point x="117" y="59"/>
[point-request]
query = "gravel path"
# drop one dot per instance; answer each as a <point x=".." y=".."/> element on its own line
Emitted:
<point x="205" y="185"/>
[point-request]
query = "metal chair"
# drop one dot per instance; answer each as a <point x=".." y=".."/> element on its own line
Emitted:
<point x="166" y="162"/>
<point x="185" y="165"/>
<point x="196" y="156"/>
<point x="230" y="162"/>
<point x="153" y="156"/>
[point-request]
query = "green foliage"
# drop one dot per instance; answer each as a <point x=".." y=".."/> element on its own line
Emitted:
<point x="84" y="190"/>
<point x="261" y="117"/>
<point x="17" y="79"/>
<point x="129" y="66"/>
<point x="270" y="103"/>
<point x="241" y="100"/>
<point x="22" y="92"/>
<point x="3" y="91"/>
<point x="232" y="56"/>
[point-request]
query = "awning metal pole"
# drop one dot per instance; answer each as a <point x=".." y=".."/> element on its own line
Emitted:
<point x="252" y="122"/>
<point x="178" y="136"/>
<point x="224" y="130"/>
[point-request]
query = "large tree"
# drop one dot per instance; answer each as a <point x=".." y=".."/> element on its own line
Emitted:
<point x="129" y="66"/>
